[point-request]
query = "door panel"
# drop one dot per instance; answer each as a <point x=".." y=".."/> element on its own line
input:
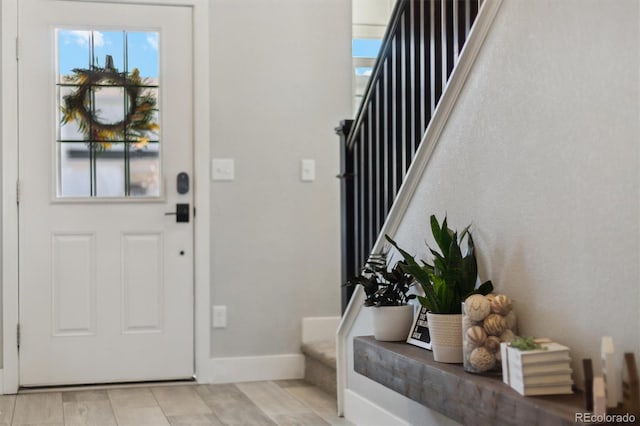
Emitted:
<point x="73" y="284"/>
<point x="142" y="283"/>
<point x="106" y="277"/>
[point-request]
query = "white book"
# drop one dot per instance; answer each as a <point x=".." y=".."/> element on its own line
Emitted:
<point x="542" y="390"/>
<point x="541" y="369"/>
<point x="553" y="352"/>
<point x="546" y="380"/>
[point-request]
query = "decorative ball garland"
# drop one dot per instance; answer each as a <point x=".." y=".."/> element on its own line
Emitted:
<point x="138" y="121"/>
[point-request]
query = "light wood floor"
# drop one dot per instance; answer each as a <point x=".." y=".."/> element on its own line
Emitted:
<point x="291" y="402"/>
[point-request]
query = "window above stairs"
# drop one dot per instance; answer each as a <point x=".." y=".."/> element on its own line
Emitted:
<point x="369" y="22"/>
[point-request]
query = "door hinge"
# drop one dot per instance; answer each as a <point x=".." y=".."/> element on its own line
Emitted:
<point x="194" y="212"/>
<point x="18" y="192"/>
<point x="18" y="336"/>
<point x="17" y="49"/>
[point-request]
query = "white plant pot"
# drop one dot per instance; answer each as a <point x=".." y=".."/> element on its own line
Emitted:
<point x="392" y="323"/>
<point x="446" y="337"/>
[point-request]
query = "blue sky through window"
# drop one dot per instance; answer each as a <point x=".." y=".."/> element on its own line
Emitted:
<point x="142" y="49"/>
<point x="365" y="47"/>
<point x="364" y="71"/>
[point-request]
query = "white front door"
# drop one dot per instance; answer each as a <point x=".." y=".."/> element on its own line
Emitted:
<point x="105" y="129"/>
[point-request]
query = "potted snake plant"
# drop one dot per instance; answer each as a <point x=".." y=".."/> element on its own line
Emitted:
<point x="387" y="294"/>
<point x="447" y="281"/>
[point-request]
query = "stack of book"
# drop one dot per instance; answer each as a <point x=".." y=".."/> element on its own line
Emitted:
<point x="537" y="372"/>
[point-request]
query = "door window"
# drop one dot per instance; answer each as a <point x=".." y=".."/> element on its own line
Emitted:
<point x="108" y="133"/>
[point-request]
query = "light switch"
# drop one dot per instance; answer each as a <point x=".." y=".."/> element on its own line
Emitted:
<point x="308" y="171"/>
<point x="222" y="169"/>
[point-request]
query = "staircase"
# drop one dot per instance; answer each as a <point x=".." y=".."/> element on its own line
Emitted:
<point x="426" y="54"/>
<point x="421" y="48"/>
<point x="319" y="350"/>
<point x="320" y="364"/>
<point x="419" y="52"/>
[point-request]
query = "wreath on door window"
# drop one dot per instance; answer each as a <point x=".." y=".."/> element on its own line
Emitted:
<point x="137" y="123"/>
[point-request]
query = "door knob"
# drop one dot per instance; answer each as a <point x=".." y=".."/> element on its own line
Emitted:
<point x="181" y="213"/>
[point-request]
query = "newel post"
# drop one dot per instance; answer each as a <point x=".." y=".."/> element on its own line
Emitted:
<point x="347" y="210"/>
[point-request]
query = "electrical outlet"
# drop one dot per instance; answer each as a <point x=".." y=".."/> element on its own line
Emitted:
<point x="219" y="317"/>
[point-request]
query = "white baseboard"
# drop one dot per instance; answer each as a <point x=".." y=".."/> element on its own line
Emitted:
<point x="319" y="328"/>
<point x="361" y="411"/>
<point x="2" y="381"/>
<point x="256" y="368"/>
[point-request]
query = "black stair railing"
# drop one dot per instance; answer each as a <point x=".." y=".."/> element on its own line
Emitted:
<point x="419" y="51"/>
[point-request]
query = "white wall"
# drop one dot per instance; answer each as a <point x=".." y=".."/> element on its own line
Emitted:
<point x="280" y="84"/>
<point x="371" y="12"/>
<point x="370" y="17"/>
<point x="541" y="155"/>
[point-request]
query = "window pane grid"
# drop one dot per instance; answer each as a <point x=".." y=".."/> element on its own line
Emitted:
<point x="93" y="131"/>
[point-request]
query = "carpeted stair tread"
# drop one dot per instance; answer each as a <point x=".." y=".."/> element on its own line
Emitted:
<point x="323" y="351"/>
<point x="320" y="364"/>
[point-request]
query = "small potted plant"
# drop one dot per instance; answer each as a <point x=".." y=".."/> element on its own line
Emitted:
<point x="446" y="282"/>
<point x="387" y="293"/>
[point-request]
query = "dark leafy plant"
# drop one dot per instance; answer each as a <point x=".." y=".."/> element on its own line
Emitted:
<point x="452" y="276"/>
<point x="383" y="287"/>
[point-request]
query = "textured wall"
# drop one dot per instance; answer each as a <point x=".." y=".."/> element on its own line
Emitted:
<point x="280" y="84"/>
<point x="541" y="155"/>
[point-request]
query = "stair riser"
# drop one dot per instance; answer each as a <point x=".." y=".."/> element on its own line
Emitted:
<point x="320" y="375"/>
